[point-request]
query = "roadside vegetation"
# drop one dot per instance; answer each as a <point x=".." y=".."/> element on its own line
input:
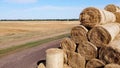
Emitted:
<point x="13" y="49"/>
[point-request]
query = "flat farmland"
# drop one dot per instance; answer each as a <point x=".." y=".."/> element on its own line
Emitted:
<point x="17" y="32"/>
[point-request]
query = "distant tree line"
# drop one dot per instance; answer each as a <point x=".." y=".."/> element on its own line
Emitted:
<point x="39" y="19"/>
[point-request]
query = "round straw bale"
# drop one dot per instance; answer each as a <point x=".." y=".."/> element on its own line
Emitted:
<point x="112" y="66"/>
<point x="79" y="33"/>
<point x="87" y="50"/>
<point x="90" y="17"/>
<point x="75" y="60"/>
<point x="68" y="45"/>
<point x="110" y="53"/>
<point x="117" y="37"/>
<point x="65" y="58"/>
<point x="54" y="58"/>
<point x="117" y="14"/>
<point x="95" y="63"/>
<point x="103" y="34"/>
<point x="93" y="16"/>
<point x="112" y="8"/>
<point x="66" y="66"/>
<point x="41" y="65"/>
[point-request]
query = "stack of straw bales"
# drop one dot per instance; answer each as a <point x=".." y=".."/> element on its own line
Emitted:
<point x="95" y="43"/>
<point x="115" y="10"/>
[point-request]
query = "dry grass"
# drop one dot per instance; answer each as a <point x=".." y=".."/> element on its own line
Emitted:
<point x="21" y="30"/>
<point x="16" y="27"/>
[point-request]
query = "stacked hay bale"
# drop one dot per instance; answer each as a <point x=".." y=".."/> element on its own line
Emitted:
<point x="92" y="16"/>
<point x="79" y="33"/>
<point x="95" y="43"/>
<point x="114" y="9"/>
<point x="103" y="34"/>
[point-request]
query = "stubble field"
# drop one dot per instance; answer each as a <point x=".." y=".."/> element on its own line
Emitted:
<point x="16" y="32"/>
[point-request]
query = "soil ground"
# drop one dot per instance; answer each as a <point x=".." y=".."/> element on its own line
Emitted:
<point x="27" y="58"/>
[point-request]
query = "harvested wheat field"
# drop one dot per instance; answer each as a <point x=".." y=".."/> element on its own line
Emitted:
<point x="17" y="32"/>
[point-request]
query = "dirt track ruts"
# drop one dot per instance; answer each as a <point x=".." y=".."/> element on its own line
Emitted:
<point x="27" y="58"/>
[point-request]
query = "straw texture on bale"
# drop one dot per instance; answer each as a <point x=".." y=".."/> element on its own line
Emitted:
<point x="111" y="53"/>
<point x="66" y="66"/>
<point x="112" y="66"/>
<point x="117" y="37"/>
<point x="117" y="14"/>
<point x="79" y="33"/>
<point x="54" y="58"/>
<point x="87" y="50"/>
<point x="103" y="34"/>
<point x="65" y="58"/>
<point x="95" y="63"/>
<point x="41" y="65"/>
<point x="68" y="45"/>
<point x="93" y="16"/>
<point x="112" y="8"/>
<point x="75" y="60"/>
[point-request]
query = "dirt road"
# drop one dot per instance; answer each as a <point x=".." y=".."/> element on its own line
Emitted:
<point x="27" y="58"/>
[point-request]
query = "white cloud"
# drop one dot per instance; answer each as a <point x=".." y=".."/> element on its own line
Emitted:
<point x="21" y="1"/>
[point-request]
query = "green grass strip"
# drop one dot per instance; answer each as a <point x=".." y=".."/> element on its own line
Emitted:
<point x="29" y="45"/>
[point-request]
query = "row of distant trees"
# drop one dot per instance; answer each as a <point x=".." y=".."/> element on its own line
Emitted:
<point x="39" y="19"/>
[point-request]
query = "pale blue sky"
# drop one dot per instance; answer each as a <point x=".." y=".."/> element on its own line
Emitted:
<point x="48" y="9"/>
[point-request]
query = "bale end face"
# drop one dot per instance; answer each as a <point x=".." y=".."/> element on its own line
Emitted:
<point x="75" y="60"/>
<point x="99" y="36"/>
<point x="68" y="45"/>
<point x="112" y="66"/>
<point x="95" y="63"/>
<point x="79" y="33"/>
<point x="111" y="8"/>
<point x="90" y="17"/>
<point x="117" y="14"/>
<point x="109" y="54"/>
<point x="87" y="50"/>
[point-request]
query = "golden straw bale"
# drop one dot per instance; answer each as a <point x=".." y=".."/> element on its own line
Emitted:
<point x="54" y="58"/>
<point x="75" y="60"/>
<point x="103" y="34"/>
<point x="41" y="65"/>
<point x="92" y="16"/>
<point x="112" y="8"/>
<point x="110" y="53"/>
<point x="79" y="33"/>
<point x="112" y="66"/>
<point x="87" y="50"/>
<point x="117" y="14"/>
<point x="95" y="63"/>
